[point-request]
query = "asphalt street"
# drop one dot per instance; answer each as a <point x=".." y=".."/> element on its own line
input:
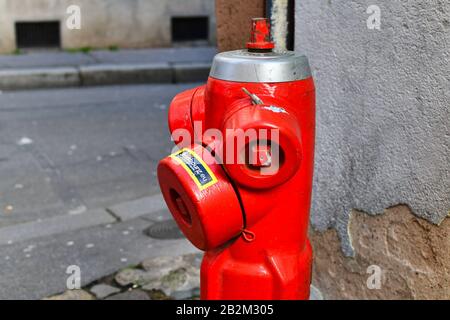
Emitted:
<point x="69" y="152"/>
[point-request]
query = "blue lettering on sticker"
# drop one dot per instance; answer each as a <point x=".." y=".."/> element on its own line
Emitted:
<point x="197" y="169"/>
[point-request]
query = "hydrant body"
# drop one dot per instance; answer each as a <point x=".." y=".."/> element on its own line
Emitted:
<point x="240" y="187"/>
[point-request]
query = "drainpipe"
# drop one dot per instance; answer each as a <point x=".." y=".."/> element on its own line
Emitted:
<point x="282" y="18"/>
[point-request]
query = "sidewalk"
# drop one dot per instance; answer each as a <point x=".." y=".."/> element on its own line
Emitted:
<point x="100" y="242"/>
<point x="102" y="67"/>
<point x="116" y="257"/>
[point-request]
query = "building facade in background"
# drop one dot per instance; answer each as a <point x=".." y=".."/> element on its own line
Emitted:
<point x="74" y="24"/>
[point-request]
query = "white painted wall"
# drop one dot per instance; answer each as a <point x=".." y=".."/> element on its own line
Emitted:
<point x="123" y="23"/>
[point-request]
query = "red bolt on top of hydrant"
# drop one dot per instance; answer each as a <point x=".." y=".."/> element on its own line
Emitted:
<point x="260" y="36"/>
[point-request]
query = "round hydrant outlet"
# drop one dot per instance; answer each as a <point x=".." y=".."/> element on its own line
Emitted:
<point x="200" y="197"/>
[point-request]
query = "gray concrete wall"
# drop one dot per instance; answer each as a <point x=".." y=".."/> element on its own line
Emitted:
<point x="383" y="108"/>
<point x="123" y="23"/>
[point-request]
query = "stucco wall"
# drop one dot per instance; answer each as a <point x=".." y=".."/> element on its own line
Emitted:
<point x="411" y="253"/>
<point x="123" y="23"/>
<point x="383" y="116"/>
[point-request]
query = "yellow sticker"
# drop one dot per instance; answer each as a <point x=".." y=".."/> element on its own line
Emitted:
<point x="197" y="169"/>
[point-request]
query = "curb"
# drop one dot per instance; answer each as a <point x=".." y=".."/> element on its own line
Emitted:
<point x="152" y="207"/>
<point x="191" y="72"/>
<point x="39" y="78"/>
<point x="107" y="74"/>
<point x="52" y="226"/>
<point x="102" y="74"/>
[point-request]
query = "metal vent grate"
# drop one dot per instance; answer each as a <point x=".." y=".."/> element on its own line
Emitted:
<point x="38" y="34"/>
<point x="190" y="28"/>
<point x="167" y="229"/>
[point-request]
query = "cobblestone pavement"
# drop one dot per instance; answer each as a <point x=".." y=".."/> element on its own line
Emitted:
<point x="159" y="278"/>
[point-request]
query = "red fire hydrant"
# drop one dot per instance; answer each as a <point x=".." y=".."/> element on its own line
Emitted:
<point x="240" y="185"/>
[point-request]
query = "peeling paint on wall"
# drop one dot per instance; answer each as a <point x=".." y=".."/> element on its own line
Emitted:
<point x="411" y="253"/>
<point x="383" y="129"/>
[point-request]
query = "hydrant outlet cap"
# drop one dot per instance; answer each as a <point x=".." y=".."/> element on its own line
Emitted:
<point x="200" y="197"/>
